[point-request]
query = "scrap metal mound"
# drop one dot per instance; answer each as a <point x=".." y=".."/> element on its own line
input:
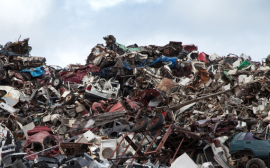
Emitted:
<point x="131" y="106"/>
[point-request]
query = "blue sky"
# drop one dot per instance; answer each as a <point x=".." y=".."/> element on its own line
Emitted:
<point x="64" y="31"/>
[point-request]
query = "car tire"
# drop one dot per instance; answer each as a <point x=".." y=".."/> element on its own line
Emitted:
<point x="26" y="76"/>
<point x="58" y="110"/>
<point x="3" y="74"/>
<point x="57" y="82"/>
<point x="255" y="162"/>
<point x="141" y="125"/>
<point x="156" y="122"/>
<point x="70" y="98"/>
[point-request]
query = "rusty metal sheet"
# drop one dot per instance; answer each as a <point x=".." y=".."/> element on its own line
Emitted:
<point x="165" y="85"/>
<point x="74" y="148"/>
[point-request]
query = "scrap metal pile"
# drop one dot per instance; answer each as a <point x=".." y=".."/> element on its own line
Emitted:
<point x="132" y="106"/>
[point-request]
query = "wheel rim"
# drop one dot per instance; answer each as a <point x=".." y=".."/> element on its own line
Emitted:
<point x="139" y="123"/>
<point x="154" y="120"/>
<point x="56" y="82"/>
<point x="254" y="165"/>
<point x="68" y="97"/>
<point x="58" y="110"/>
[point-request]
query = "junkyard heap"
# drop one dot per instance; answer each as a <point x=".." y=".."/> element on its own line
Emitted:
<point x="135" y="107"/>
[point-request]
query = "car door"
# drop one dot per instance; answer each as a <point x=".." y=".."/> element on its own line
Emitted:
<point x="259" y="146"/>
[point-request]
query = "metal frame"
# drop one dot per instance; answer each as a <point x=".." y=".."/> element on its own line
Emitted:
<point x="177" y="141"/>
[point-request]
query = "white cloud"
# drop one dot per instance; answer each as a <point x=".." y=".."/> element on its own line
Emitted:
<point x="22" y="17"/>
<point x="97" y="4"/>
<point x="23" y="12"/>
<point x="144" y="1"/>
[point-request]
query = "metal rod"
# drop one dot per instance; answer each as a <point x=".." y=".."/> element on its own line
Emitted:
<point x="153" y="140"/>
<point x="125" y="149"/>
<point x="41" y="151"/>
<point x="118" y="145"/>
<point x="195" y="100"/>
<point x="138" y="149"/>
<point x="177" y="150"/>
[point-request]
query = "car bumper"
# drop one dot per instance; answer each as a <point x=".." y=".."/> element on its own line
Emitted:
<point x="90" y="96"/>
